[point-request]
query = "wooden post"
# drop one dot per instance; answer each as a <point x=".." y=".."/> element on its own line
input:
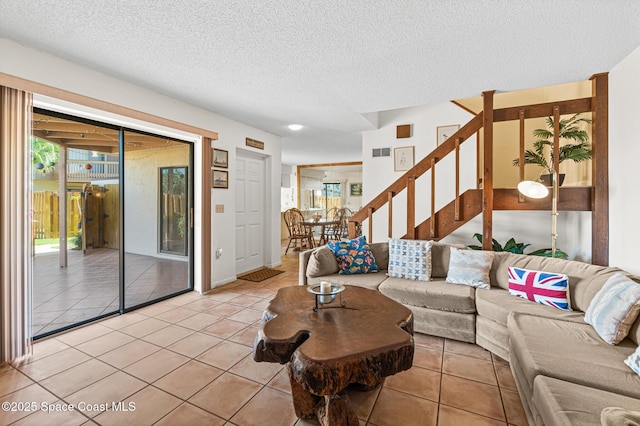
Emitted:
<point x="432" y="222"/>
<point x="487" y="181"/>
<point x="457" y="200"/>
<point x="62" y="204"/>
<point x="390" y="202"/>
<point x="521" y="159"/>
<point x="411" y="207"/>
<point x="205" y="247"/>
<point x="600" y="170"/>
<point x="370" y="213"/>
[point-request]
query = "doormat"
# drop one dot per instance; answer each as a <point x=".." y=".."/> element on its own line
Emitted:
<point x="260" y="275"/>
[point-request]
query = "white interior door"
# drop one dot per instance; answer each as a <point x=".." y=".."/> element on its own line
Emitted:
<point x="250" y="212"/>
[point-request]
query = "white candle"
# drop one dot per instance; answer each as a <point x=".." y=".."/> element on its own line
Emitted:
<point x="325" y="288"/>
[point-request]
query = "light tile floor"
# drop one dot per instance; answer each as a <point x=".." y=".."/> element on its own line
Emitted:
<point x="188" y="361"/>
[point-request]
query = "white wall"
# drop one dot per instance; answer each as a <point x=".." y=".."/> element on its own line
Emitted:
<point x="624" y="173"/>
<point x="529" y="227"/>
<point x="40" y="67"/>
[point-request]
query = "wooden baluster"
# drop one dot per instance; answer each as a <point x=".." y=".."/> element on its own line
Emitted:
<point x="457" y="200"/>
<point x="521" y="159"/>
<point x="370" y="213"/>
<point x="352" y="229"/>
<point x="390" y="201"/>
<point x="411" y="207"/>
<point x="432" y="222"/>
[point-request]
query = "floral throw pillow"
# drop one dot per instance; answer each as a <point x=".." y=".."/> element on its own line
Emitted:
<point x="545" y="288"/>
<point x="410" y="259"/>
<point x="353" y="256"/>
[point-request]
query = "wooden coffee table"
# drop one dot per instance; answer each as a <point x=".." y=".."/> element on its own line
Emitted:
<point x="371" y="337"/>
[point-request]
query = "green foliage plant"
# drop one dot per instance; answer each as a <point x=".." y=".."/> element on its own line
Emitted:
<point x="512" y="246"/>
<point x="578" y="151"/>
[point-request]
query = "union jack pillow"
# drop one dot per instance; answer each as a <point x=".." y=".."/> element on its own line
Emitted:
<point x="545" y="288"/>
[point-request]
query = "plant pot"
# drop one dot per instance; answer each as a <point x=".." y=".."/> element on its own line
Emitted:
<point x="546" y="179"/>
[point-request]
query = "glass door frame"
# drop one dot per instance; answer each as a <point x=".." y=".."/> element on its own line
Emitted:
<point x="121" y="237"/>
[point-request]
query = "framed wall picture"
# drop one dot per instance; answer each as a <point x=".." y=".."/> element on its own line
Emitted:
<point x="444" y="132"/>
<point x="402" y="158"/>
<point x="356" y="189"/>
<point x="219" y="179"/>
<point x="220" y="158"/>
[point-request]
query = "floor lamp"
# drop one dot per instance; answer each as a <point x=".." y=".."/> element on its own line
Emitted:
<point x="533" y="189"/>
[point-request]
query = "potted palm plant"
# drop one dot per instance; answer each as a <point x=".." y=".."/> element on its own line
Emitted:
<point x="578" y="151"/>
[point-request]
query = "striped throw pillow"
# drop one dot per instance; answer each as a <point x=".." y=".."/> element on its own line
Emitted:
<point x="614" y="308"/>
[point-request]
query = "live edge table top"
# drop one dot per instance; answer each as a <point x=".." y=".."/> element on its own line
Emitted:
<point x="371" y="337"/>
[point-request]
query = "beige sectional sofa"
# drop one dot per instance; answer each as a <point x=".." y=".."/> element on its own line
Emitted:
<point x="565" y="373"/>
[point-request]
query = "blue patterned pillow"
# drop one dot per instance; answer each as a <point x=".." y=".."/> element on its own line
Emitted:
<point x="410" y="259"/>
<point x="353" y="256"/>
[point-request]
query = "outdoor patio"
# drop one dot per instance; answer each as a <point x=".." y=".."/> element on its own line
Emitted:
<point x="88" y="286"/>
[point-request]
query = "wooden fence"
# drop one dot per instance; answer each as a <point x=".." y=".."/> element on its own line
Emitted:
<point x="45" y="217"/>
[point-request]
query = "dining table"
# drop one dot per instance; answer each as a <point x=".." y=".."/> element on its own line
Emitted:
<point x="322" y="223"/>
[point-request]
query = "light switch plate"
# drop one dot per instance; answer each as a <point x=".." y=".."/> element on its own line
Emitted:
<point x="219" y="208"/>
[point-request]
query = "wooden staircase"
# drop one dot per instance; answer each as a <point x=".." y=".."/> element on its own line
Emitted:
<point x="472" y="202"/>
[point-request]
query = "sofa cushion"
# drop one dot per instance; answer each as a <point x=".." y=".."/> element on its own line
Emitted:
<point x="545" y="288"/>
<point x="614" y="308"/>
<point x="353" y="256"/>
<point x="564" y="403"/>
<point x="410" y="259"/>
<point x="584" y="279"/>
<point x="570" y="351"/>
<point x="470" y="267"/>
<point x="370" y="281"/>
<point x="381" y="254"/>
<point x="498" y="303"/>
<point x="440" y="255"/>
<point x="322" y="262"/>
<point x="433" y="295"/>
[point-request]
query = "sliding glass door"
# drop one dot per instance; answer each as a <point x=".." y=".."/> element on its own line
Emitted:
<point x="111" y="220"/>
<point x="157" y="217"/>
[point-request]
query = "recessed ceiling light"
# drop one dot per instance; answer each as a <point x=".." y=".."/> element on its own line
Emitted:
<point x="294" y="127"/>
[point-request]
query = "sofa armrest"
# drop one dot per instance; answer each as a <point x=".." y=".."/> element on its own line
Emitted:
<point x="302" y="269"/>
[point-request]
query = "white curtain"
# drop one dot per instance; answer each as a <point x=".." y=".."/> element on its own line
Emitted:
<point x="15" y="229"/>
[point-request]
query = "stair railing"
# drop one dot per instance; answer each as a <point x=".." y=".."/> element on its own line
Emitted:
<point x="407" y="181"/>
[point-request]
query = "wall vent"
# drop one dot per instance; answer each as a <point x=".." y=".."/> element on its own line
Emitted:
<point x="381" y="152"/>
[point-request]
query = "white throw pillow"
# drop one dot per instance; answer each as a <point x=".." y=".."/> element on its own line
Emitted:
<point x="633" y="361"/>
<point x="410" y="259"/>
<point x="470" y="267"/>
<point x="614" y="308"/>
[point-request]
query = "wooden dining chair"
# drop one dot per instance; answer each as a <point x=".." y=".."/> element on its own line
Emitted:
<point x="299" y="235"/>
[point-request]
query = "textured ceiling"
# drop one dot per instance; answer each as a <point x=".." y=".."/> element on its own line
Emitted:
<point x="324" y="63"/>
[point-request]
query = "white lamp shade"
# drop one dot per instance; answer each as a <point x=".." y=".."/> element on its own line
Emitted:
<point x="533" y="189"/>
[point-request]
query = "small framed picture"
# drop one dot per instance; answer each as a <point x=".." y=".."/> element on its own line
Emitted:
<point x="445" y="132"/>
<point x="220" y="158"/>
<point x="356" y="189"/>
<point x="402" y="158"/>
<point x="219" y="179"/>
